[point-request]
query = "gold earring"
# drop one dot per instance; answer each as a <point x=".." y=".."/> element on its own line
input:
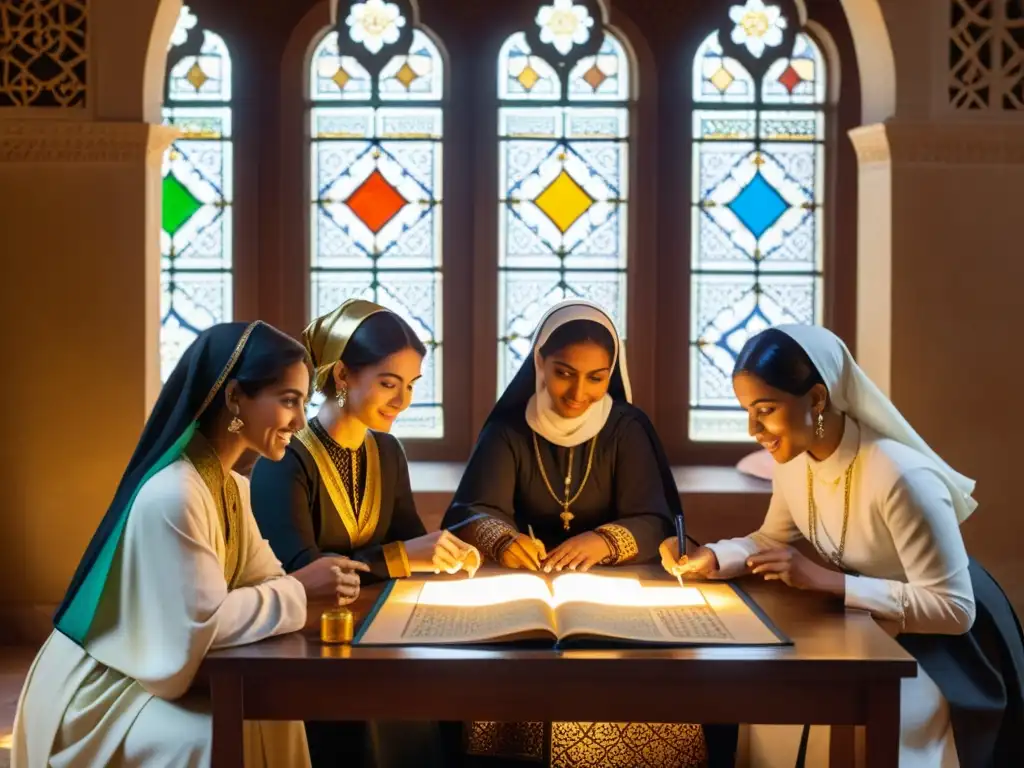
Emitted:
<point x="236" y="425"/>
<point x="342" y="395"/>
<point x="819" y="430"/>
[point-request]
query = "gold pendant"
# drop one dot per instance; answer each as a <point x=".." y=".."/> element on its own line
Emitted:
<point x="567" y="518"/>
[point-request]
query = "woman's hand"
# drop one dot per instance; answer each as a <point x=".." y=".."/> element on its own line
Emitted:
<point x="701" y="563"/>
<point x="524" y="552"/>
<point x="580" y="553"/>
<point x="441" y="551"/>
<point x="792" y="568"/>
<point x="332" y="576"/>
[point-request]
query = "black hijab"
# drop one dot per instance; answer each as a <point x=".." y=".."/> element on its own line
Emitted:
<point x="189" y="391"/>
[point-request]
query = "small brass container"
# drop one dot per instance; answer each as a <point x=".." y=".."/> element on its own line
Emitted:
<point x="336" y="626"/>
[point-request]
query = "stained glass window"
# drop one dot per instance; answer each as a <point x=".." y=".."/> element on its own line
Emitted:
<point x="757" y="194"/>
<point x="195" y="234"/>
<point x="564" y="162"/>
<point x="377" y="189"/>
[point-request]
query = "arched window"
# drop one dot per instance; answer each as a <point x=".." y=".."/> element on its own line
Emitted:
<point x="564" y="88"/>
<point x="376" y="124"/>
<point x="195" y="237"/>
<point x="758" y="177"/>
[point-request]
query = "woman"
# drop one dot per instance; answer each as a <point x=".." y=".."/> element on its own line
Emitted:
<point x="565" y="454"/>
<point x="177" y="568"/>
<point x="884" y="510"/>
<point x="343" y="489"/>
<point x="343" y="485"/>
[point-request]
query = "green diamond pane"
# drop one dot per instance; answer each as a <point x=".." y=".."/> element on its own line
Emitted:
<point x="180" y="204"/>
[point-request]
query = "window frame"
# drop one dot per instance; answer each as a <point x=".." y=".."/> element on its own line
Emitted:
<point x="470" y="35"/>
<point x="841" y="110"/>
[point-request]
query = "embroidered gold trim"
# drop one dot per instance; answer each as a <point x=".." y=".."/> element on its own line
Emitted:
<point x="623" y="544"/>
<point x="228" y="500"/>
<point x="397" y="560"/>
<point x="523" y="741"/>
<point x="360" y="526"/>
<point x="490" y="535"/>
<point x="227" y="368"/>
<point x="627" y="745"/>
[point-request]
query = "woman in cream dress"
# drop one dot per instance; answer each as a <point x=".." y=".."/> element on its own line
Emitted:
<point x="884" y="511"/>
<point x="177" y="568"/>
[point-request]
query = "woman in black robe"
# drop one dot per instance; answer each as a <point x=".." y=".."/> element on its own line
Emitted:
<point x="565" y="454"/>
<point x="343" y="488"/>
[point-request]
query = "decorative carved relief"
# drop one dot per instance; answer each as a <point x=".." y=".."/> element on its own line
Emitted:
<point x="42" y="53"/>
<point x="986" y="55"/>
<point x="1011" y="41"/>
<point x="62" y="141"/>
<point x="970" y="53"/>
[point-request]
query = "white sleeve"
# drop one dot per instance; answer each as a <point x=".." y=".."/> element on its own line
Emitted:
<point x="173" y="603"/>
<point x="938" y="597"/>
<point x="777" y="530"/>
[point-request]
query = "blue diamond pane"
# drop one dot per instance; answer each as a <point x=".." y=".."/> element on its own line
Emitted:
<point x="758" y="205"/>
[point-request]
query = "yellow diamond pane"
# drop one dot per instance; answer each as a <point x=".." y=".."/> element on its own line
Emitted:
<point x="406" y="75"/>
<point x="722" y="79"/>
<point x="341" y="78"/>
<point x="196" y="76"/>
<point x="528" y="77"/>
<point x="564" y="201"/>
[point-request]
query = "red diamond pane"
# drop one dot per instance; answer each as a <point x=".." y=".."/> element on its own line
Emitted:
<point x="376" y="202"/>
<point x="790" y="78"/>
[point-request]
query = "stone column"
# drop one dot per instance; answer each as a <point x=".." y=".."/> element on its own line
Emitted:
<point x="80" y="153"/>
<point x="79" y="304"/>
<point x="941" y="252"/>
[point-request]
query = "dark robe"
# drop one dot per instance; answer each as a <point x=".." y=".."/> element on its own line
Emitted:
<point x="981" y="674"/>
<point x="297" y="516"/>
<point x="630" y="487"/>
<point x="503" y="482"/>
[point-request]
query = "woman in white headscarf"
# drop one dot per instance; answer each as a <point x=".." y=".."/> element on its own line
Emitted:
<point x="565" y="453"/>
<point x="883" y="509"/>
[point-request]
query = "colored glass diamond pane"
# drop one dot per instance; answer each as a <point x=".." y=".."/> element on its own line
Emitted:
<point x="406" y="75"/>
<point x="758" y="205"/>
<point x="376" y="202"/>
<point x="790" y="78"/>
<point x="528" y="77"/>
<point x="196" y="76"/>
<point x="341" y="78"/>
<point x="722" y="79"/>
<point x="179" y="204"/>
<point x="594" y="77"/>
<point x="564" y="201"/>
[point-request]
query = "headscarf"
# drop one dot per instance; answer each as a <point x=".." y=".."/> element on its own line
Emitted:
<point x="853" y="393"/>
<point x="528" y="383"/>
<point x="191" y="388"/>
<point x="527" y="388"/>
<point x="327" y="336"/>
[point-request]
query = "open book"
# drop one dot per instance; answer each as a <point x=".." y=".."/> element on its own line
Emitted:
<point x="563" y="607"/>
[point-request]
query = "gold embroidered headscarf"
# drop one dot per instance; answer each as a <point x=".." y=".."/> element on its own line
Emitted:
<point x="327" y="336"/>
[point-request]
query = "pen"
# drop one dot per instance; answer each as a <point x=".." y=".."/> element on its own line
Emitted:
<point x="681" y="538"/>
<point x="536" y="544"/>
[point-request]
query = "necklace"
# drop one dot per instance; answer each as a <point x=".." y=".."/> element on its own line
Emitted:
<point x="836" y="556"/>
<point x="565" y="502"/>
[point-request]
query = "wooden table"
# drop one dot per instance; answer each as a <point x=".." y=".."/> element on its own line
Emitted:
<point x="843" y="670"/>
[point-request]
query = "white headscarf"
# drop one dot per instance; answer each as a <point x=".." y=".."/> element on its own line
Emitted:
<point x="853" y="393"/>
<point x="540" y="410"/>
